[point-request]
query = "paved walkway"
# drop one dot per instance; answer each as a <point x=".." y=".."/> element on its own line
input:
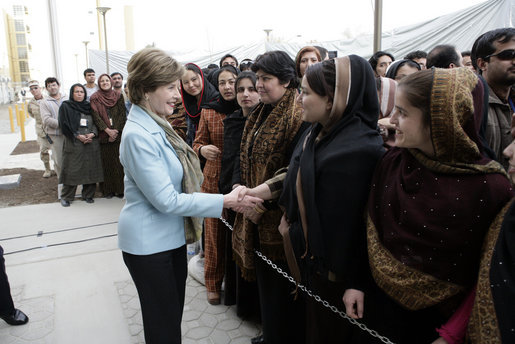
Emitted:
<point x="72" y="283"/>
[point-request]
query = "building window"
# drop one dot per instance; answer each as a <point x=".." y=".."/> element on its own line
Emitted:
<point x="20" y="39"/>
<point x="24" y="67"/>
<point x="18" y="26"/>
<point x="22" y="53"/>
<point x="18" y="10"/>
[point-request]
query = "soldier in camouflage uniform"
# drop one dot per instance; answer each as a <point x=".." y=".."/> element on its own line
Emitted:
<point x="33" y="109"/>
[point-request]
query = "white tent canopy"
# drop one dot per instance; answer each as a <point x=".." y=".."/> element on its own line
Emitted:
<point x="459" y="28"/>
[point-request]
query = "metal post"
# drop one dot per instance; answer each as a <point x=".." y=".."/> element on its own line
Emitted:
<point x="86" y="47"/>
<point x="56" y="50"/>
<point x="11" y="119"/>
<point x="103" y="11"/>
<point x="378" y="20"/>
<point x="268" y="34"/>
<point x="105" y="40"/>
<point x="17" y="111"/>
<point x="22" y="127"/>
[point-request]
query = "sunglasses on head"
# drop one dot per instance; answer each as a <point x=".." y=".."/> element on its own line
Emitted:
<point x="504" y="55"/>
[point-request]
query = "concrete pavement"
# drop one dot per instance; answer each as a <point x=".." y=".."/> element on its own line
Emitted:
<point x="72" y="282"/>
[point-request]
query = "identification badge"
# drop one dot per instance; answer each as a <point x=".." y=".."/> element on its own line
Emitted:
<point x="83" y="122"/>
<point x="111" y="121"/>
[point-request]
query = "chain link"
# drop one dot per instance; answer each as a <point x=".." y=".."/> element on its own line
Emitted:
<point x="317" y="298"/>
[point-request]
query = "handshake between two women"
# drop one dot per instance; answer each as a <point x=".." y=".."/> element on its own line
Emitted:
<point x="247" y="201"/>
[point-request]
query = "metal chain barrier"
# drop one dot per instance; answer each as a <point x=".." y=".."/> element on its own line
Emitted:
<point x="317" y="298"/>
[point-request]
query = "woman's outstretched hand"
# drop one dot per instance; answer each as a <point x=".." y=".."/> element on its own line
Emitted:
<point x="234" y="200"/>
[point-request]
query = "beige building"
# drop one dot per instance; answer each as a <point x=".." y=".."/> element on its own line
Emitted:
<point x="17" y="44"/>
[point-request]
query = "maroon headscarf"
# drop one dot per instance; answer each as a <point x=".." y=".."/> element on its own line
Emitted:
<point x="101" y="100"/>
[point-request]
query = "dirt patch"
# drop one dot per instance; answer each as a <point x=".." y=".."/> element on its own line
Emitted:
<point x="33" y="188"/>
<point x="26" y="148"/>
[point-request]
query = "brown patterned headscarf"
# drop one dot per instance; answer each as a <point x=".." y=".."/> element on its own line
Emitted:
<point x="455" y="120"/>
<point x="428" y="215"/>
<point x="102" y="99"/>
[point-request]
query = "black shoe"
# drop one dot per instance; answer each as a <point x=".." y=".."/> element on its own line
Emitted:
<point x="89" y="200"/>
<point x="17" y="318"/>
<point x="258" y="340"/>
<point x="65" y="203"/>
<point x="119" y="195"/>
<point x="109" y="196"/>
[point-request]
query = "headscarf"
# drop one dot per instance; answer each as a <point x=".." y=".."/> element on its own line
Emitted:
<point x="69" y="113"/>
<point x="208" y="94"/>
<point x="386" y="88"/>
<point x="335" y="163"/>
<point x="101" y="100"/>
<point x="192" y="176"/>
<point x="221" y="105"/>
<point x="456" y="117"/>
<point x="193" y="107"/>
<point x="391" y="72"/>
<point x="428" y="215"/>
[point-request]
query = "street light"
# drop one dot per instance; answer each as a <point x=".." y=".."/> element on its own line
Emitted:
<point x="268" y="34"/>
<point x="86" y="47"/>
<point x="103" y="11"/>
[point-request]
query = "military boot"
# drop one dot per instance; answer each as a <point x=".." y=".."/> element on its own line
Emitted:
<point x="48" y="171"/>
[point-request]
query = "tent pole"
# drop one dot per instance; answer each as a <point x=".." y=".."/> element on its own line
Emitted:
<point x="378" y="20"/>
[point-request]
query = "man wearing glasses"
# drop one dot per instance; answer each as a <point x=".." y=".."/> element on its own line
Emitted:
<point x="33" y="109"/>
<point x="493" y="55"/>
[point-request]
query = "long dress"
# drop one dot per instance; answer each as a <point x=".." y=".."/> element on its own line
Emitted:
<point x="81" y="162"/>
<point x="110" y="151"/>
<point x="330" y="172"/>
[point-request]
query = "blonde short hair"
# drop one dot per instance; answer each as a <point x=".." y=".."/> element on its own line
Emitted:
<point x="149" y="69"/>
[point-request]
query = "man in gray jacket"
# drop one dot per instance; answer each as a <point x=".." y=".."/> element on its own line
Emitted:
<point x="49" y="108"/>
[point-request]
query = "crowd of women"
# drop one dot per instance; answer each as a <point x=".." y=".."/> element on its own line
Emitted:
<point x="410" y="233"/>
<point x="92" y="131"/>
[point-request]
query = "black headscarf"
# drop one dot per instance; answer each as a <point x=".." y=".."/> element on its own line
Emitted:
<point x="221" y="105"/>
<point x="69" y="113"/>
<point x="208" y="94"/>
<point x="193" y="107"/>
<point x="394" y="67"/>
<point x="336" y="167"/>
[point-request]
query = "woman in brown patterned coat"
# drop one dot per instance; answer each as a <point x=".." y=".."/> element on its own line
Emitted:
<point x="109" y="114"/>
<point x="208" y="144"/>
<point x="270" y="135"/>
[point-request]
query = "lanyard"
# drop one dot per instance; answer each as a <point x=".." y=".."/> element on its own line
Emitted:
<point x="511" y="104"/>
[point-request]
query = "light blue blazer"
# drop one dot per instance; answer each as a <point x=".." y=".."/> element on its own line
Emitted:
<point x="152" y="219"/>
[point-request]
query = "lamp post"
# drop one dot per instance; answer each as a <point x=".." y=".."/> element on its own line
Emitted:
<point x="86" y="47"/>
<point x="77" y="65"/>
<point x="103" y="11"/>
<point x="268" y="34"/>
<point x="378" y="22"/>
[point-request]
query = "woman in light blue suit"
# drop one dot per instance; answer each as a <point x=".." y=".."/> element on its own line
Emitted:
<point x="164" y="209"/>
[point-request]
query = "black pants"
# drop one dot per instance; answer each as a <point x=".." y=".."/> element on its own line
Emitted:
<point x="68" y="191"/>
<point x="282" y="317"/>
<point x="161" y="283"/>
<point x="6" y="301"/>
